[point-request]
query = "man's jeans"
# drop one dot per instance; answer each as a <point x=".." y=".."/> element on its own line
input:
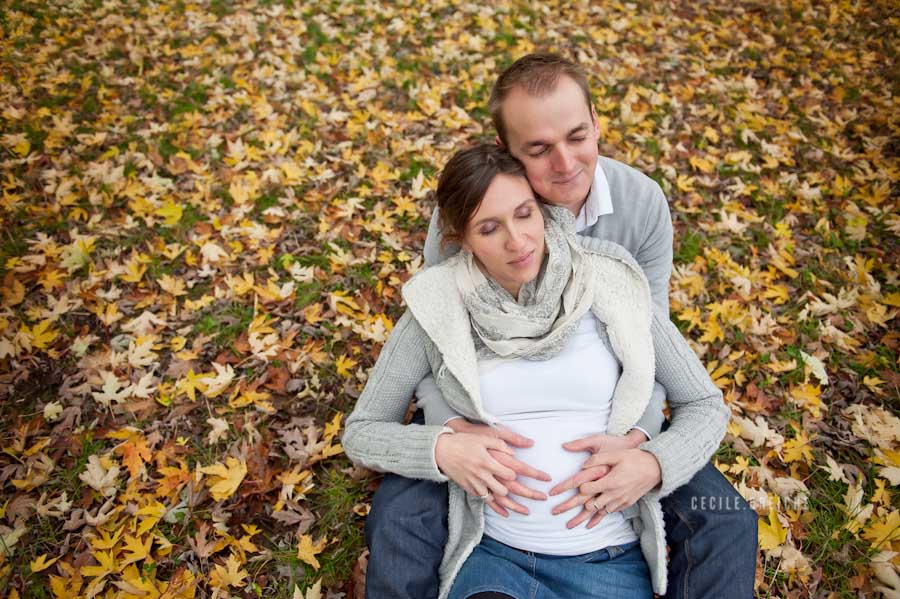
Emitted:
<point x="710" y="530"/>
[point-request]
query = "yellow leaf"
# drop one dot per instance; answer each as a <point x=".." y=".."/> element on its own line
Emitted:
<point x="13" y="296"/>
<point x="22" y="148"/>
<point x="883" y="530"/>
<point x="771" y="534"/>
<point x="224" y="479"/>
<point x="41" y="563"/>
<point x="807" y="396"/>
<point x="191" y="384"/>
<point x="343" y="365"/>
<point x="42" y="335"/>
<point x="307" y="550"/>
<point x="797" y="449"/>
<point x="333" y="427"/>
<point x="171" y="212"/>
<point x="702" y="164"/>
<point x="230" y="576"/>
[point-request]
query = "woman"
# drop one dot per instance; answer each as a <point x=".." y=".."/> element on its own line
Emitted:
<point x="566" y="320"/>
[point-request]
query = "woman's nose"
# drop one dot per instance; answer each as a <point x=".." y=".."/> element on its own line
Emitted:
<point x="515" y="239"/>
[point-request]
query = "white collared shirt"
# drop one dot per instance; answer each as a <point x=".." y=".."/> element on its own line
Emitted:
<point x="598" y="203"/>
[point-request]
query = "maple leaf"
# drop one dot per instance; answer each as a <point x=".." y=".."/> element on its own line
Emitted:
<point x="219" y="430"/>
<point x="224" y="479"/>
<point x="797" y="449"/>
<point x="883" y="530"/>
<point x="100" y="474"/>
<point x="42" y="335"/>
<point x="41" y="563"/>
<point x="216" y="385"/>
<point x="343" y="365"/>
<point x="191" y="384"/>
<point x="135" y="549"/>
<point x="113" y="390"/>
<point x="307" y="550"/>
<point x="171" y="285"/>
<point x="171" y="212"/>
<point x="231" y="575"/>
<point x="771" y="533"/>
<point x="313" y="592"/>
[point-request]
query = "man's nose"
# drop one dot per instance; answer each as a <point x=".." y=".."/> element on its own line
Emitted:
<point x="562" y="160"/>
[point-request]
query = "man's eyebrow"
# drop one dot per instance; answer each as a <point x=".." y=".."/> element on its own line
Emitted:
<point x="490" y="218"/>
<point x="573" y="131"/>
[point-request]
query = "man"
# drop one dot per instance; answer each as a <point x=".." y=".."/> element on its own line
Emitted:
<point x="543" y="114"/>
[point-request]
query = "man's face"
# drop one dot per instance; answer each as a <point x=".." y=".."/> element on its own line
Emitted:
<point x="555" y="137"/>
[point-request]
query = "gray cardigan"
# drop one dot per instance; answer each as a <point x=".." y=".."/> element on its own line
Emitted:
<point x="433" y="337"/>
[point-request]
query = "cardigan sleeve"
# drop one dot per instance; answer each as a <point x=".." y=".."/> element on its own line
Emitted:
<point x="698" y="414"/>
<point x="374" y="435"/>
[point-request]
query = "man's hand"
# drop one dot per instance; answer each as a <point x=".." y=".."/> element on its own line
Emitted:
<point x="613" y="478"/>
<point x="501" y="503"/>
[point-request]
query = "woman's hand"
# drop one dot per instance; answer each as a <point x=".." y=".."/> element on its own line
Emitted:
<point x="464" y="459"/>
<point x="503" y="504"/>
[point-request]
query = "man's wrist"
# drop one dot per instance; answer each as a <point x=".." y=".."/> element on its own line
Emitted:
<point x="636" y="436"/>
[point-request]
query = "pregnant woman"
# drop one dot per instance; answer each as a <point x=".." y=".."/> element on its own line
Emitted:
<point x="552" y="336"/>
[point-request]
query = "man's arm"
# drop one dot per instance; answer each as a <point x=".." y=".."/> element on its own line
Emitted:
<point x="655" y="252"/>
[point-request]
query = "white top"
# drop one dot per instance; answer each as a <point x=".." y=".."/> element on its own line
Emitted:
<point x="552" y="402"/>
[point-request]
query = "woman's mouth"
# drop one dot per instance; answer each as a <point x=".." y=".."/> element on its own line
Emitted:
<point x="523" y="260"/>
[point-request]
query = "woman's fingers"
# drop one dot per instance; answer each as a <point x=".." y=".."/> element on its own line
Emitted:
<point x="573" y="502"/>
<point x="583" y="515"/>
<point x="497" y="508"/>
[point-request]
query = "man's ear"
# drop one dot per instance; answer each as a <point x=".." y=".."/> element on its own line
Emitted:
<point x="596" y="122"/>
<point x="499" y="141"/>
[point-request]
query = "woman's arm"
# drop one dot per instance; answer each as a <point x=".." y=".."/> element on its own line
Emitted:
<point x="374" y="435"/>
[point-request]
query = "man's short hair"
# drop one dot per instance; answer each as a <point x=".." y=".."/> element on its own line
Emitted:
<point x="538" y="75"/>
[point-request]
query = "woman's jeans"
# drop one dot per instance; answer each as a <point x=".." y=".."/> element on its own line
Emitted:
<point x="710" y="530"/>
<point x="616" y="572"/>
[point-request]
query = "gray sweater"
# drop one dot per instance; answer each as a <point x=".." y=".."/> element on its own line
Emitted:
<point x="433" y="337"/>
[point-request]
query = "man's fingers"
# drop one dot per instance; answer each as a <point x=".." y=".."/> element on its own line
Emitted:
<point x="517" y="488"/>
<point x="589" y="443"/>
<point x="521" y="468"/>
<point x="514" y="439"/>
<point x="495" y="486"/>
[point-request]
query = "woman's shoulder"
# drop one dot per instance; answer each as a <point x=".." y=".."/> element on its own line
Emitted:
<point x="604" y="249"/>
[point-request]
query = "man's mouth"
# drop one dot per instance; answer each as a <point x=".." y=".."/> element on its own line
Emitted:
<point x="567" y="180"/>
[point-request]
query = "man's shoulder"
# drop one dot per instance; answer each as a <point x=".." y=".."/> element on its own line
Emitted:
<point x="626" y="180"/>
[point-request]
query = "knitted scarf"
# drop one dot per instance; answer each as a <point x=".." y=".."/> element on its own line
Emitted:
<point x="546" y="315"/>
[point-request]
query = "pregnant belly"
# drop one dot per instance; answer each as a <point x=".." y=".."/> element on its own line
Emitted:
<point x="542" y="531"/>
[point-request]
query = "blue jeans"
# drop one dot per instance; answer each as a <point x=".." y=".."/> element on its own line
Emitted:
<point x="617" y="572"/>
<point x="710" y="530"/>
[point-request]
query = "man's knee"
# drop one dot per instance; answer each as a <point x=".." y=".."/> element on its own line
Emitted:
<point x="400" y="504"/>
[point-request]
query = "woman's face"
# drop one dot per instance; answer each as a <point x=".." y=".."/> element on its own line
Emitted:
<point x="506" y="233"/>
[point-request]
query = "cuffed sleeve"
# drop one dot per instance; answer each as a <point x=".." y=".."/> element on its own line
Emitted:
<point x="651" y="421"/>
<point x="431" y="400"/>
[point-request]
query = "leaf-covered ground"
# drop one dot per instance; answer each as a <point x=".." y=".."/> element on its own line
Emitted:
<point x="208" y="210"/>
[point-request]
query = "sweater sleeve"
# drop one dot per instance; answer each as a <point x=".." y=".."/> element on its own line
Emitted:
<point x="655" y="252"/>
<point x="699" y="415"/>
<point x="436" y="251"/>
<point x="374" y="435"/>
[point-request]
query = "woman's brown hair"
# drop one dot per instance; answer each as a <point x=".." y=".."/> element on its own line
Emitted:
<point x="465" y="181"/>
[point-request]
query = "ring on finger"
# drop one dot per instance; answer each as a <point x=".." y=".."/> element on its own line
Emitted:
<point x="485" y="496"/>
